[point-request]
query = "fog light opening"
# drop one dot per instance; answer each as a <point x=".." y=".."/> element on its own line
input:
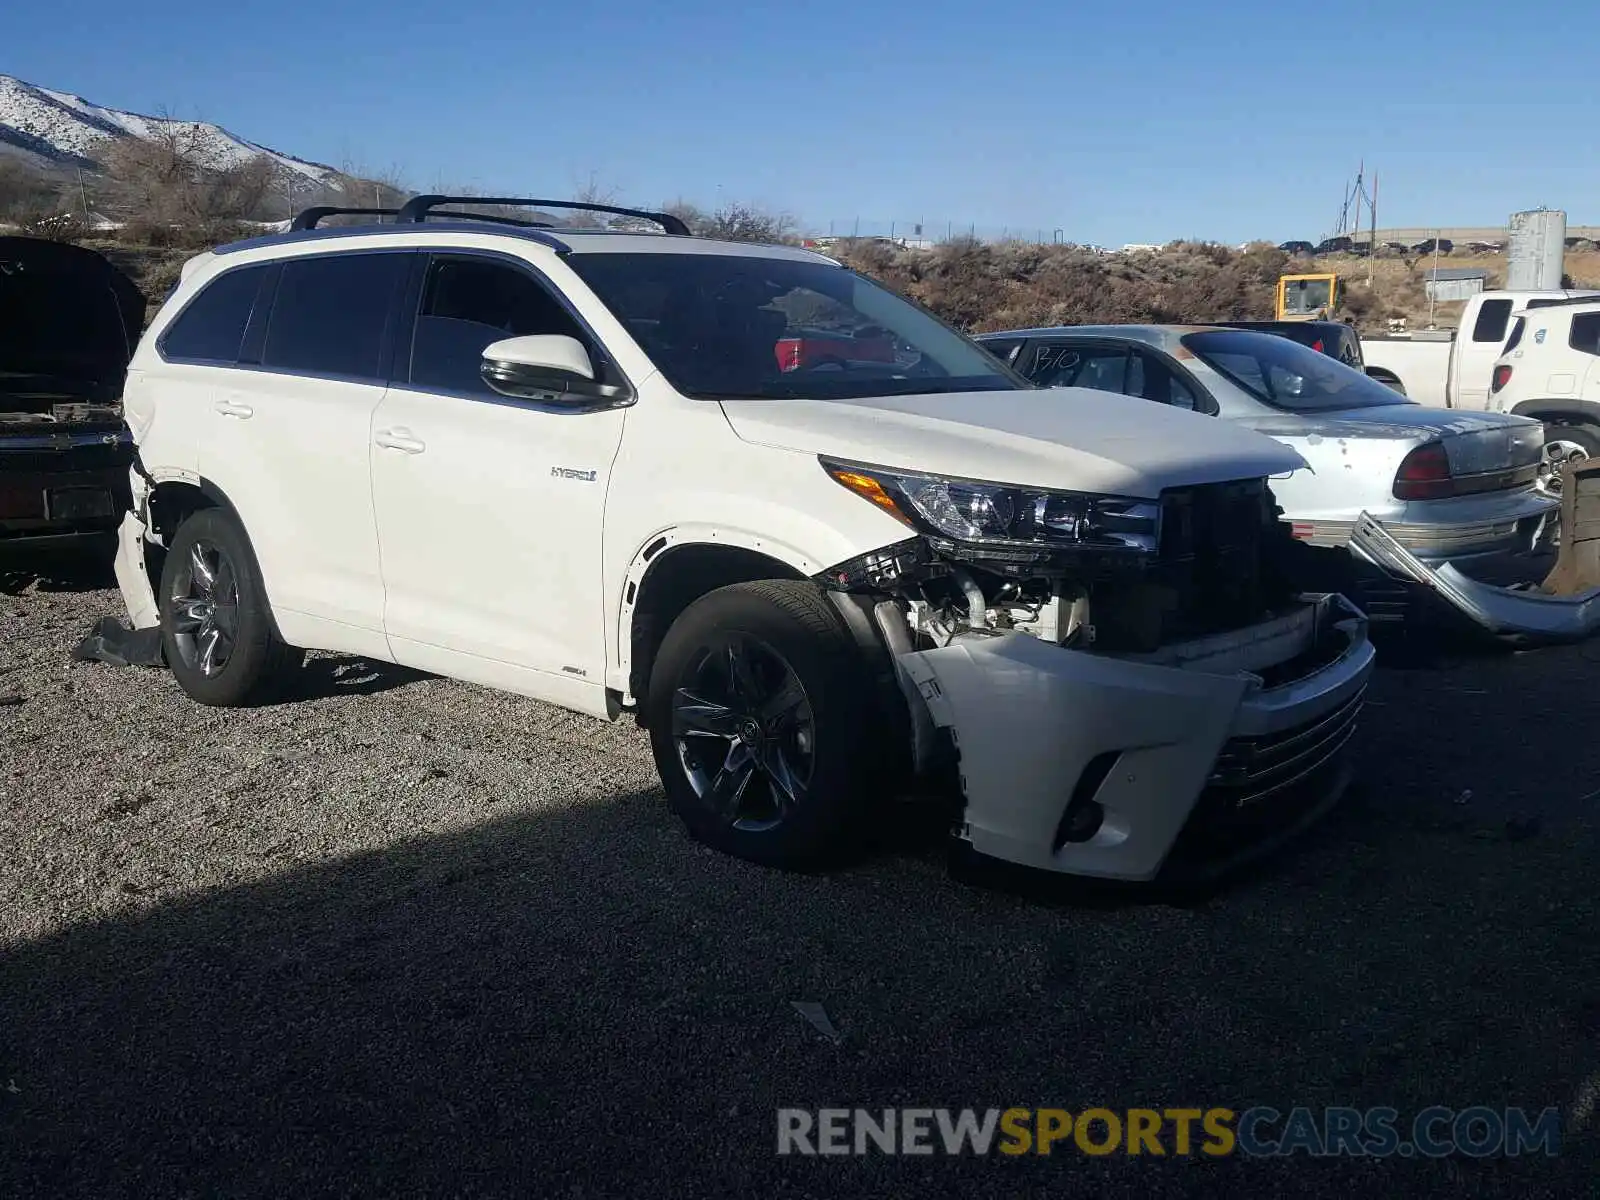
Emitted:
<point x="1084" y="815"/>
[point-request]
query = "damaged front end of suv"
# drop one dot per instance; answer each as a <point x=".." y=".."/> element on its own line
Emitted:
<point x="1131" y="688"/>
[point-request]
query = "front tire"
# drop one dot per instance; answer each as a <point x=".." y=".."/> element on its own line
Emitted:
<point x="216" y="629"/>
<point x="760" y="725"/>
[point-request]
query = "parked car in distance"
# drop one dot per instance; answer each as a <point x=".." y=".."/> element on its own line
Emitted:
<point x="1550" y="370"/>
<point x="570" y="464"/>
<point x="809" y="349"/>
<point x="1450" y="487"/>
<point x="1443" y="245"/>
<point x="68" y="321"/>
<point x="1297" y="248"/>
<point x="1450" y="368"/>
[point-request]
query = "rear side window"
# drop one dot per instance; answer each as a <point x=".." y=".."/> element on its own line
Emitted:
<point x="1585" y="334"/>
<point x="1515" y="339"/>
<point x="212" y="327"/>
<point x="468" y="304"/>
<point x="329" y="315"/>
<point x="1492" y="319"/>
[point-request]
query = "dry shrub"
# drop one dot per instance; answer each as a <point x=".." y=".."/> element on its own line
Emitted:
<point x="981" y="286"/>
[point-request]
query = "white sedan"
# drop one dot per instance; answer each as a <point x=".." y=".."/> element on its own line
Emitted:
<point x="1450" y="486"/>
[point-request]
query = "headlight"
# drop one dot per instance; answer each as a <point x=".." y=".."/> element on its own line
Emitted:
<point x="1002" y="515"/>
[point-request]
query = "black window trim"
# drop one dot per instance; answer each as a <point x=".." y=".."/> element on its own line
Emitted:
<point x="255" y="309"/>
<point x="1205" y="403"/>
<point x="400" y="361"/>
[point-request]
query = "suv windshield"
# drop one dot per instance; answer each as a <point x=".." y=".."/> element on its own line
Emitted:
<point x="1286" y="374"/>
<point x="731" y="326"/>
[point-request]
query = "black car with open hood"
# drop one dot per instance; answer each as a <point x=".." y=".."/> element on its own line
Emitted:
<point x="69" y="320"/>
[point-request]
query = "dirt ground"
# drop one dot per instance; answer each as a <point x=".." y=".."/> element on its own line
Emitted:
<point x="408" y="936"/>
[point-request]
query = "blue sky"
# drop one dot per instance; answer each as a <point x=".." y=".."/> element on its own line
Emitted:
<point x="1114" y="122"/>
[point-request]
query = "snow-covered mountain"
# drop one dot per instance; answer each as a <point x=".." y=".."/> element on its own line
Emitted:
<point x="49" y="128"/>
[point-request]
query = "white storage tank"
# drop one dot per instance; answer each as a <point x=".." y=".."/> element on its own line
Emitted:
<point x="1536" y="250"/>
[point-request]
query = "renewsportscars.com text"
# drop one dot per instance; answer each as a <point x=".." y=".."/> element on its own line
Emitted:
<point x="1434" y="1132"/>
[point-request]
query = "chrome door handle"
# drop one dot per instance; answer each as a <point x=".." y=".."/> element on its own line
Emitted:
<point x="229" y="408"/>
<point x="400" y="439"/>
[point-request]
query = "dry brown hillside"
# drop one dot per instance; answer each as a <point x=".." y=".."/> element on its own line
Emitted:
<point x="1009" y="285"/>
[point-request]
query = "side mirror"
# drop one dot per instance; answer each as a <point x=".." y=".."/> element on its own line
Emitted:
<point x="548" y="367"/>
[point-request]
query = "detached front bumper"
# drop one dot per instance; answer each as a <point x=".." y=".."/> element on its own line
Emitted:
<point x="1212" y="754"/>
<point x="1518" y="613"/>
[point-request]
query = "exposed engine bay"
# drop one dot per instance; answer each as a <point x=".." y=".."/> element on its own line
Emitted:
<point x="1222" y="561"/>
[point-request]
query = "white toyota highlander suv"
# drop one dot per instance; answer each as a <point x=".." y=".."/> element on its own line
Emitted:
<point x="814" y="540"/>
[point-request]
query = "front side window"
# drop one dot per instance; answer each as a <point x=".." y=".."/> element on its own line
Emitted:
<point x="730" y="326"/>
<point x="1585" y="335"/>
<point x="211" y="328"/>
<point x="1005" y="349"/>
<point x="469" y="303"/>
<point x="330" y="312"/>
<point x="1287" y="375"/>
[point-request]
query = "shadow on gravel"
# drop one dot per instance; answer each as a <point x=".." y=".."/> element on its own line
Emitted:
<point x="346" y="675"/>
<point x="81" y="570"/>
<point x="582" y="1002"/>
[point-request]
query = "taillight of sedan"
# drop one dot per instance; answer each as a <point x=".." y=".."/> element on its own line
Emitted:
<point x="1502" y="376"/>
<point x="1487" y="461"/>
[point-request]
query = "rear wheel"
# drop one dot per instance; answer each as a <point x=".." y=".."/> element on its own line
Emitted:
<point x="216" y="629"/>
<point x="759" y="726"/>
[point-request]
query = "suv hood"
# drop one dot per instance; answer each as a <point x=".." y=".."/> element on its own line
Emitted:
<point x="1071" y="439"/>
<point x="69" y="321"/>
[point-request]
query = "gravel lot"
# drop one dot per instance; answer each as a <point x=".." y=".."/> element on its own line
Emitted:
<point x="407" y="936"/>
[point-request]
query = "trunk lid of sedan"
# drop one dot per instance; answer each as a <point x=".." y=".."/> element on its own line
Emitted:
<point x="1428" y="453"/>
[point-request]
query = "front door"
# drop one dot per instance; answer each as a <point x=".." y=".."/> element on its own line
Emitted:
<point x="490" y="509"/>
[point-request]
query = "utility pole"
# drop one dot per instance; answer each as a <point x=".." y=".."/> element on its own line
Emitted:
<point x="83" y="194"/>
<point x="1372" y="244"/>
<point x="1434" y="290"/>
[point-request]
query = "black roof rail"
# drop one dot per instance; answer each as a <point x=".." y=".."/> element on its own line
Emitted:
<point x="495" y="220"/>
<point x="416" y="209"/>
<point x="309" y="218"/>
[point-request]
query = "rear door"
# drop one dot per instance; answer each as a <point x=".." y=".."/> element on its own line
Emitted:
<point x="288" y="440"/>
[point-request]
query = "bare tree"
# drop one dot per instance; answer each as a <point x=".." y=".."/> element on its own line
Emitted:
<point x="735" y="222"/>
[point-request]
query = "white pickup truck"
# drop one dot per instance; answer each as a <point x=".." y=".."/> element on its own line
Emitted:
<point x="1450" y="368"/>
